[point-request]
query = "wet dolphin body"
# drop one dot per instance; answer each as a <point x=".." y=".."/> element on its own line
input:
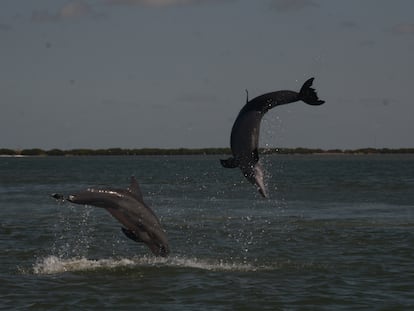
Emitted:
<point x="128" y="207"/>
<point x="244" y="138"/>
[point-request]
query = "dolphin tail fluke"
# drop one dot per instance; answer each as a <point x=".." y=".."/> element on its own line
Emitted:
<point x="229" y="163"/>
<point x="308" y="94"/>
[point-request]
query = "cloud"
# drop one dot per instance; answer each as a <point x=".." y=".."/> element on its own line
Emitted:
<point x="292" y="5"/>
<point x="403" y="29"/>
<point x="348" y="25"/>
<point x="5" y="27"/>
<point x="155" y="3"/>
<point x="75" y="9"/>
<point x="197" y="98"/>
<point x="367" y="43"/>
<point x="377" y="102"/>
<point x="160" y="3"/>
<point x="42" y="16"/>
<point x="71" y="10"/>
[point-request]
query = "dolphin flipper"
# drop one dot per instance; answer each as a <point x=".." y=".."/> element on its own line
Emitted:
<point x="131" y="235"/>
<point x="229" y="163"/>
<point x="58" y="196"/>
<point x="156" y="247"/>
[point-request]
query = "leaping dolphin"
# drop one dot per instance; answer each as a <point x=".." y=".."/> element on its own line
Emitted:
<point x="128" y="207"/>
<point x="244" y="138"/>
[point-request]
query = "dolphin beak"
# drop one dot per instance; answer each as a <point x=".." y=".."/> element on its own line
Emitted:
<point x="262" y="191"/>
<point x="158" y="249"/>
<point x="259" y="180"/>
<point x="164" y="251"/>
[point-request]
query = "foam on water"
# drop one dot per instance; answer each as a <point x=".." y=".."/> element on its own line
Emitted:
<point x="56" y="265"/>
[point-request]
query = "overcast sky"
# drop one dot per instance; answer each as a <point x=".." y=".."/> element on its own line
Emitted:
<point x="173" y="73"/>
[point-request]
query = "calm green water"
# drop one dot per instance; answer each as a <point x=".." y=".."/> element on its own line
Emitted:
<point x="336" y="234"/>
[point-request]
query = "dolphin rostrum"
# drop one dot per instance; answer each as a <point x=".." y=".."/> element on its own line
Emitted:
<point x="128" y="207"/>
<point x="244" y="138"/>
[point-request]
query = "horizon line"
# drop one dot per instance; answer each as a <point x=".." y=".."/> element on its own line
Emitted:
<point x="192" y="151"/>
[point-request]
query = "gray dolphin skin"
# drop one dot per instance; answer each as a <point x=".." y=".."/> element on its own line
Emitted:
<point x="128" y="207"/>
<point x="244" y="138"/>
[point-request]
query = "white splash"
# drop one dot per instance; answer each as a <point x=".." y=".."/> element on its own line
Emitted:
<point x="209" y="265"/>
<point x="56" y="265"/>
<point x="53" y="264"/>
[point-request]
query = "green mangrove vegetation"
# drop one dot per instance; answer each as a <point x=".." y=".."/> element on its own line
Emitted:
<point x="190" y="151"/>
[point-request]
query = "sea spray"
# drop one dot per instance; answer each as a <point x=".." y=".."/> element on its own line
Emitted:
<point x="73" y="231"/>
<point x="56" y="265"/>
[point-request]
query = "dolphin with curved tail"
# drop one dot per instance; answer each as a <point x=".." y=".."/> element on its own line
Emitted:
<point x="128" y="207"/>
<point x="244" y="138"/>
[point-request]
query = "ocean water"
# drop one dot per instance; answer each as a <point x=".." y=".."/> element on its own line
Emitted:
<point x="336" y="234"/>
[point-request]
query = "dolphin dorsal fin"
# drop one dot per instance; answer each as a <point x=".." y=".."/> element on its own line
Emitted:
<point x="135" y="190"/>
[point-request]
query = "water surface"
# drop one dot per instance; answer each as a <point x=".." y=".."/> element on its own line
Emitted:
<point x="337" y="233"/>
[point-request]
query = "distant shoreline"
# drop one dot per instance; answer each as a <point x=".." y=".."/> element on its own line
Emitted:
<point x="191" y="151"/>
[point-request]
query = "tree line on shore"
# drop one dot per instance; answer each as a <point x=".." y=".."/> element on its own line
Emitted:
<point x="191" y="151"/>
